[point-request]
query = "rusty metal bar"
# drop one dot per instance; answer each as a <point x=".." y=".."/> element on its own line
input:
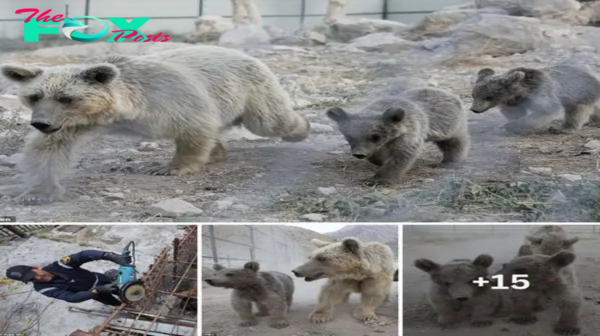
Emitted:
<point x="162" y="281"/>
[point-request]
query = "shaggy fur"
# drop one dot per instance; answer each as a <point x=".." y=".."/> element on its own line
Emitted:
<point x="452" y="290"/>
<point x="532" y="98"/>
<point x="350" y="266"/>
<point x="391" y="132"/>
<point x="188" y="95"/>
<point x="550" y="239"/>
<point x="549" y="283"/>
<point x="271" y="293"/>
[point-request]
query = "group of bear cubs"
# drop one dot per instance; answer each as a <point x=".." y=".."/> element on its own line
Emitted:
<point x="350" y="266"/>
<point x="546" y="258"/>
<point x="190" y="95"/>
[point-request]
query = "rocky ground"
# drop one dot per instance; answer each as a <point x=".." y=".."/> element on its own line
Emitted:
<point x="541" y="177"/>
<point x="419" y="318"/>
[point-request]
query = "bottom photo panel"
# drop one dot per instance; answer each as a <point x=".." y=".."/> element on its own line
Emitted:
<point x="501" y="280"/>
<point x="321" y="279"/>
<point x="99" y="280"/>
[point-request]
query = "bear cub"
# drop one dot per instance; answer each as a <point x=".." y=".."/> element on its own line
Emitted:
<point x="532" y="98"/>
<point x="549" y="281"/>
<point x="391" y="132"/>
<point x="452" y="290"/>
<point x="271" y="292"/>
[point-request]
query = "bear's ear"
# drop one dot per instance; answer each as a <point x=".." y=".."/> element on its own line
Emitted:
<point x="562" y="259"/>
<point x="426" y="265"/>
<point x="104" y="74"/>
<point x="567" y="243"/>
<point x="516" y="76"/>
<point x="319" y="243"/>
<point x="525" y="250"/>
<point x="483" y="260"/>
<point x="483" y="73"/>
<point x="252" y="265"/>
<point x="337" y="114"/>
<point x="534" y="240"/>
<point x="351" y="245"/>
<point x="218" y="267"/>
<point x="394" y="115"/>
<point x="20" y="74"/>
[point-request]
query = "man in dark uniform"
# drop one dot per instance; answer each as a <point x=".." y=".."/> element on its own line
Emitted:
<point x="66" y="280"/>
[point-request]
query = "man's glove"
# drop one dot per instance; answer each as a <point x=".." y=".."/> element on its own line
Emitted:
<point x="117" y="258"/>
<point x="110" y="288"/>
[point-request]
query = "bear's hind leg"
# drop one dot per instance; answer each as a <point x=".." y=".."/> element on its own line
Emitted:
<point x="192" y="152"/>
<point x="575" y="118"/>
<point x="275" y="118"/>
<point x="454" y="149"/>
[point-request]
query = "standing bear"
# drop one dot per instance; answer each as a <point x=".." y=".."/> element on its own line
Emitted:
<point x="350" y="266"/>
<point x="452" y="290"/>
<point x="391" y="132"/>
<point x="550" y="239"/>
<point x="187" y="95"/>
<point x="549" y="281"/>
<point x="271" y="292"/>
<point x="532" y="98"/>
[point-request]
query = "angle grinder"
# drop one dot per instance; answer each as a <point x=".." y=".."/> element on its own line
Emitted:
<point x="131" y="289"/>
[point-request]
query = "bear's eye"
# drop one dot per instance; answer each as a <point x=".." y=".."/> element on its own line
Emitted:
<point x="447" y="284"/>
<point x="490" y="98"/>
<point x="321" y="258"/>
<point x="374" y="138"/>
<point x="520" y="271"/>
<point x="34" y="98"/>
<point x="228" y="275"/>
<point x="65" y="100"/>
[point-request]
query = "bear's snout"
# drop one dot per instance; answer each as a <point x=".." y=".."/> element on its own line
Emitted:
<point x="359" y="156"/>
<point x="297" y="274"/>
<point x="462" y="299"/>
<point x="209" y="281"/>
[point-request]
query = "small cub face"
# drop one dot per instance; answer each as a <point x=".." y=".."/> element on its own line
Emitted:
<point x="457" y="276"/>
<point x="65" y="96"/>
<point x="542" y="270"/>
<point x="236" y="278"/>
<point x="332" y="260"/>
<point x="551" y="243"/>
<point x="491" y="90"/>
<point x="366" y="135"/>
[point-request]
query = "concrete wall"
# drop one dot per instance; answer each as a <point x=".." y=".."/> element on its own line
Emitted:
<point x="315" y="10"/>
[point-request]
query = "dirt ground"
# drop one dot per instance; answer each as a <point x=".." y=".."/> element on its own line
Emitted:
<point x="271" y="180"/>
<point x="420" y="320"/>
<point x="218" y="317"/>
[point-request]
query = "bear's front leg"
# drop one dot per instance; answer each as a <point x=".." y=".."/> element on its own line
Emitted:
<point x="244" y="310"/>
<point x="373" y="293"/>
<point x="278" y="311"/>
<point x="403" y="155"/>
<point x="446" y="310"/>
<point x="263" y="310"/>
<point x="332" y="293"/>
<point x="484" y="307"/>
<point x="523" y="304"/>
<point x="568" y="323"/>
<point x="46" y="159"/>
<point x="192" y="152"/>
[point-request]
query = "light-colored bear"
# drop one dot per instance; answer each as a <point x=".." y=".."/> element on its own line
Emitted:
<point x="532" y="98"/>
<point x="350" y="266"/>
<point x="453" y="290"/>
<point x="550" y="239"/>
<point x="391" y="132"/>
<point x="547" y="283"/>
<point x="188" y="95"/>
<point x="271" y="292"/>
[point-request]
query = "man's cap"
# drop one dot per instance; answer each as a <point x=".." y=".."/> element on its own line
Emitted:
<point x="20" y="273"/>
